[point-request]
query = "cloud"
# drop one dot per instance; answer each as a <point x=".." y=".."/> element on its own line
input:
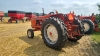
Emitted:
<point x="77" y="6"/>
<point x="35" y="5"/>
<point x="85" y="8"/>
<point x="37" y="1"/>
<point x="58" y="3"/>
<point x="63" y="6"/>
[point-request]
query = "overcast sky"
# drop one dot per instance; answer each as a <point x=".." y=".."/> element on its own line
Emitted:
<point x="85" y="7"/>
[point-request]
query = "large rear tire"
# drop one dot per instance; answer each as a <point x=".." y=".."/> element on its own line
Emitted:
<point x="54" y="33"/>
<point x="88" y="25"/>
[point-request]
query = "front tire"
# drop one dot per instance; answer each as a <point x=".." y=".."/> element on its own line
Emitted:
<point x="30" y="33"/>
<point x="54" y="33"/>
<point x="9" y="20"/>
<point x="23" y="20"/>
<point x="17" y="21"/>
<point x="1" y="18"/>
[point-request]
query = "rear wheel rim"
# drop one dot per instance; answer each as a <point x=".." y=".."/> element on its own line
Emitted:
<point x="86" y="26"/>
<point x="51" y="34"/>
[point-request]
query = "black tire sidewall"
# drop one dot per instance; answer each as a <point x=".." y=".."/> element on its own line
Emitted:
<point x="61" y="38"/>
<point x="91" y="24"/>
<point x="32" y="33"/>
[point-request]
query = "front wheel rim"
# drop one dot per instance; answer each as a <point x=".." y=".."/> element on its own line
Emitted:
<point x="29" y="34"/>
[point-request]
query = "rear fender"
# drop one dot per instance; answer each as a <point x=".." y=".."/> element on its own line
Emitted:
<point x="58" y="16"/>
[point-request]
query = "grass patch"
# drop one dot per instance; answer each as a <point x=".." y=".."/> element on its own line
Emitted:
<point x="96" y="37"/>
<point x="99" y="25"/>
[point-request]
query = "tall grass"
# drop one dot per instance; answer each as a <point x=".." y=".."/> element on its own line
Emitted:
<point x="96" y="36"/>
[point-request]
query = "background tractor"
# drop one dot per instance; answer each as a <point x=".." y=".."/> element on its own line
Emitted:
<point x="56" y="28"/>
<point x="90" y="23"/>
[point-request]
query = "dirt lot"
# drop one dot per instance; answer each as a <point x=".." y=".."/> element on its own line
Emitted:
<point x="14" y="42"/>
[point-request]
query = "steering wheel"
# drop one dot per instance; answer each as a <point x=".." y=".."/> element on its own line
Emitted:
<point x="53" y="12"/>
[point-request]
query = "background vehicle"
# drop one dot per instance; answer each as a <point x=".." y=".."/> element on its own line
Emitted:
<point x="16" y="16"/>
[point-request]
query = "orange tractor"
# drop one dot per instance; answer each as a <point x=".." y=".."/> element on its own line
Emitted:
<point x="56" y="28"/>
<point x="90" y="23"/>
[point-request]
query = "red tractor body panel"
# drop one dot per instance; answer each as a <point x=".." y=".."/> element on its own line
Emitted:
<point x="36" y="19"/>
